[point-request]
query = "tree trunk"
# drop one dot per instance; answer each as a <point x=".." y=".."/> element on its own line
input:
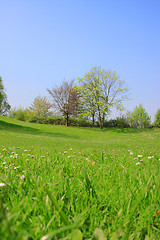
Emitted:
<point x="100" y="119"/>
<point x="101" y="124"/>
<point x="93" y="120"/>
<point x="67" y="118"/>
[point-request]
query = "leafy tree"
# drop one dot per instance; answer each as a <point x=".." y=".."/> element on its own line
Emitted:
<point x="40" y="107"/>
<point x="139" y="118"/>
<point x="65" y="99"/>
<point x="4" y="105"/>
<point x="157" y="120"/>
<point x="99" y="91"/>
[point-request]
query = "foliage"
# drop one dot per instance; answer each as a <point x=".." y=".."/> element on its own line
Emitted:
<point x="4" y="105"/>
<point x="40" y="108"/>
<point x="99" y="91"/>
<point x="76" y="183"/>
<point x="119" y="122"/>
<point x="19" y="114"/>
<point x="139" y="118"/>
<point x="157" y="120"/>
<point x="65" y="99"/>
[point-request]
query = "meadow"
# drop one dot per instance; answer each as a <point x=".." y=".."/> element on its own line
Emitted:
<point x="60" y="182"/>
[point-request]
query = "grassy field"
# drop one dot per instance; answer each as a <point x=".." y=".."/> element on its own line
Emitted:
<point x="78" y="183"/>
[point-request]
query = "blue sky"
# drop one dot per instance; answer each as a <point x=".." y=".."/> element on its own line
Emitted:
<point x="43" y="42"/>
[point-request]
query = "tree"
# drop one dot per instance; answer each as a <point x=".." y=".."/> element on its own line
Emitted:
<point x="99" y="91"/>
<point x="40" y="107"/>
<point x="65" y="99"/>
<point x="4" y="105"/>
<point x="139" y="118"/>
<point x="157" y="120"/>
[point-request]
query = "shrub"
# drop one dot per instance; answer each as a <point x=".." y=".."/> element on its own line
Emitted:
<point x="19" y="114"/>
<point x="119" y="122"/>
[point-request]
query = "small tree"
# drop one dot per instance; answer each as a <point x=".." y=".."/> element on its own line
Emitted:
<point x="139" y="118"/>
<point x="4" y="105"/>
<point x="157" y="120"/>
<point x="40" y="107"/>
<point x="65" y="99"/>
<point x="99" y="91"/>
<point x="19" y="114"/>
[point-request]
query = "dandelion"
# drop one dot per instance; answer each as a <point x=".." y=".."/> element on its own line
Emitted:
<point x="138" y="163"/>
<point x="2" y="184"/>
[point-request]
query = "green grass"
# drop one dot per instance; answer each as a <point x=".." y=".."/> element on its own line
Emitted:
<point x="78" y="183"/>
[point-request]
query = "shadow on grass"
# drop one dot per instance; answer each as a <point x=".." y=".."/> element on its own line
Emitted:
<point x="118" y="130"/>
<point x="29" y="130"/>
<point x="128" y="130"/>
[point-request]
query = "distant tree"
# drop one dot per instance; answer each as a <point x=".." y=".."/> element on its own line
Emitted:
<point x="65" y="99"/>
<point x="4" y="105"/>
<point x="19" y="114"/>
<point x="139" y="118"/>
<point x="99" y="91"/>
<point x="40" y="107"/>
<point x="157" y="120"/>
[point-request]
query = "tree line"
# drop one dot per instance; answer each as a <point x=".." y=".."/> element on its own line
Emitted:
<point x="87" y="102"/>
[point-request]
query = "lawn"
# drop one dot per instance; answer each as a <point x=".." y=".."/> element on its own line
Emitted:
<point x="61" y="182"/>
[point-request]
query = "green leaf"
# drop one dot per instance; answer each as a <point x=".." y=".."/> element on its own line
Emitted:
<point x="98" y="235"/>
<point x="76" y="235"/>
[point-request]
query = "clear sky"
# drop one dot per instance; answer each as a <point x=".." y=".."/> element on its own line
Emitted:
<point x="43" y="42"/>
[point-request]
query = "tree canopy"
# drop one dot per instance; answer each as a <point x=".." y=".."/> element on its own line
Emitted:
<point x="40" y="107"/>
<point x="65" y="99"/>
<point x="138" y="118"/>
<point x="4" y="105"/>
<point x="157" y="119"/>
<point x="100" y="90"/>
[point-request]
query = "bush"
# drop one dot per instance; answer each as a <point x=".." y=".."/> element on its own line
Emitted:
<point x="19" y="114"/>
<point x="119" y="122"/>
<point x="157" y="120"/>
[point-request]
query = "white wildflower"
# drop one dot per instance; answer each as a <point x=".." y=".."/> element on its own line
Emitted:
<point x="22" y="177"/>
<point x="2" y="184"/>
